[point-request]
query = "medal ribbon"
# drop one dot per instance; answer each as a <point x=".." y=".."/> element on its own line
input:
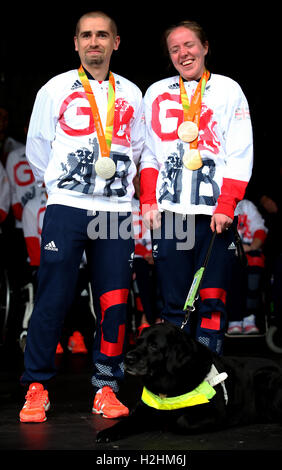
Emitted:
<point x="192" y="111"/>
<point x="105" y="139"/>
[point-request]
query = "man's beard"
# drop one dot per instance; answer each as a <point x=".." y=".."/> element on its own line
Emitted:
<point x="94" y="60"/>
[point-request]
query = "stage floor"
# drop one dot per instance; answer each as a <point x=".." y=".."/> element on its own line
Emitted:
<point x="71" y="426"/>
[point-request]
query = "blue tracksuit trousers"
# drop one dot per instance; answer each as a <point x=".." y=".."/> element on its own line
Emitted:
<point x="68" y="232"/>
<point x="176" y="265"/>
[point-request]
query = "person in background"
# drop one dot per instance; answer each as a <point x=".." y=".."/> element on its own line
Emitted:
<point x="23" y="189"/>
<point x="7" y="143"/>
<point x="270" y="203"/>
<point x="253" y="233"/>
<point x="5" y="196"/>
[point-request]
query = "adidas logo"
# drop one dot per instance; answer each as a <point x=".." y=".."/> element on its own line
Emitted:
<point x="51" y="246"/>
<point x="77" y="84"/>
<point x="232" y="246"/>
<point x="173" y="86"/>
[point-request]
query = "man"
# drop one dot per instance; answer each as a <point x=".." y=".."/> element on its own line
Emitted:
<point x="195" y="167"/>
<point x="85" y="148"/>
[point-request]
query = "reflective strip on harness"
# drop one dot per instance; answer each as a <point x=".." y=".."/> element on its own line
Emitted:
<point x="201" y="394"/>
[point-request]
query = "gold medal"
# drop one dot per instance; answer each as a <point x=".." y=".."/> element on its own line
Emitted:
<point x="188" y="131"/>
<point x="192" y="159"/>
<point x="105" y="167"/>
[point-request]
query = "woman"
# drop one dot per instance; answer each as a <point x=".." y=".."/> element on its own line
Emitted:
<point x="195" y="167"/>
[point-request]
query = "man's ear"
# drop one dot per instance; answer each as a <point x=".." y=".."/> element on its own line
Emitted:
<point x="116" y="43"/>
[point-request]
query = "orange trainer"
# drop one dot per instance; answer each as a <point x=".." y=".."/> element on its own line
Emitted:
<point x="37" y="403"/>
<point x="107" y="404"/>
<point x="76" y="343"/>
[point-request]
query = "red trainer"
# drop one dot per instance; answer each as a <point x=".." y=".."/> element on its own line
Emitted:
<point x="107" y="404"/>
<point x="59" y="349"/>
<point x="250" y="330"/>
<point x="76" y="343"/>
<point x="37" y="402"/>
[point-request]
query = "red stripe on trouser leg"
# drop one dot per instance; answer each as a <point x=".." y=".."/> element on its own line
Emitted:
<point x="107" y="300"/>
<point x="213" y="293"/>
<point x="212" y="323"/>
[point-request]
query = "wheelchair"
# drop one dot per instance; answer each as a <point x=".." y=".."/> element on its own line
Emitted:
<point x="270" y="327"/>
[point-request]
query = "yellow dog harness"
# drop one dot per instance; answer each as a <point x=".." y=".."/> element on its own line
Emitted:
<point x="201" y="394"/>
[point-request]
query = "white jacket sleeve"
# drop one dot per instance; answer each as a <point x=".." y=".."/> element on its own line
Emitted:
<point x="138" y="131"/>
<point x="239" y="138"/>
<point x="149" y="155"/>
<point x="41" y="134"/>
<point x="239" y="152"/>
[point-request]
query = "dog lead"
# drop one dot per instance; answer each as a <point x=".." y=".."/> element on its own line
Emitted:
<point x="195" y="286"/>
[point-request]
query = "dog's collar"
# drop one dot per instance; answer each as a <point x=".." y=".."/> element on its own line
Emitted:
<point x="200" y="395"/>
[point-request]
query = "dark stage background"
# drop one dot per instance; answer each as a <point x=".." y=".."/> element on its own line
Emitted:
<point x="36" y="43"/>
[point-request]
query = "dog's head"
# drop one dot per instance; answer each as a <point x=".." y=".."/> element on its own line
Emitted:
<point x="168" y="360"/>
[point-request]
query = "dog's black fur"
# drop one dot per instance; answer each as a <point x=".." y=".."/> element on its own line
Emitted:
<point x="171" y="363"/>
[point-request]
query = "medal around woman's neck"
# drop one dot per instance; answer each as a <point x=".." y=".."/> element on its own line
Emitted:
<point x="188" y="131"/>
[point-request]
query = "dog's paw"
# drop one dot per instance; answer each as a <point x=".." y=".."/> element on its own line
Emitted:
<point x="107" y="435"/>
<point x="102" y="436"/>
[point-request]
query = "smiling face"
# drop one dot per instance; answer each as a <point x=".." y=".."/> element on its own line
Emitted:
<point x="187" y="52"/>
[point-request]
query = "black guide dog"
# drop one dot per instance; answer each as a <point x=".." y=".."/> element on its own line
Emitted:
<point x="189" y="389"/>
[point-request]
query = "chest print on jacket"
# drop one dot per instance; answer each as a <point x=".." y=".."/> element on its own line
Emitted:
<point x="172" y="176"/>
<point x="78" y="171"/>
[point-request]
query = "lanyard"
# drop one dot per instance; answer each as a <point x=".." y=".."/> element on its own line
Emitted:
<point x="105" y="139"/>
<point x="192" y="111"/>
